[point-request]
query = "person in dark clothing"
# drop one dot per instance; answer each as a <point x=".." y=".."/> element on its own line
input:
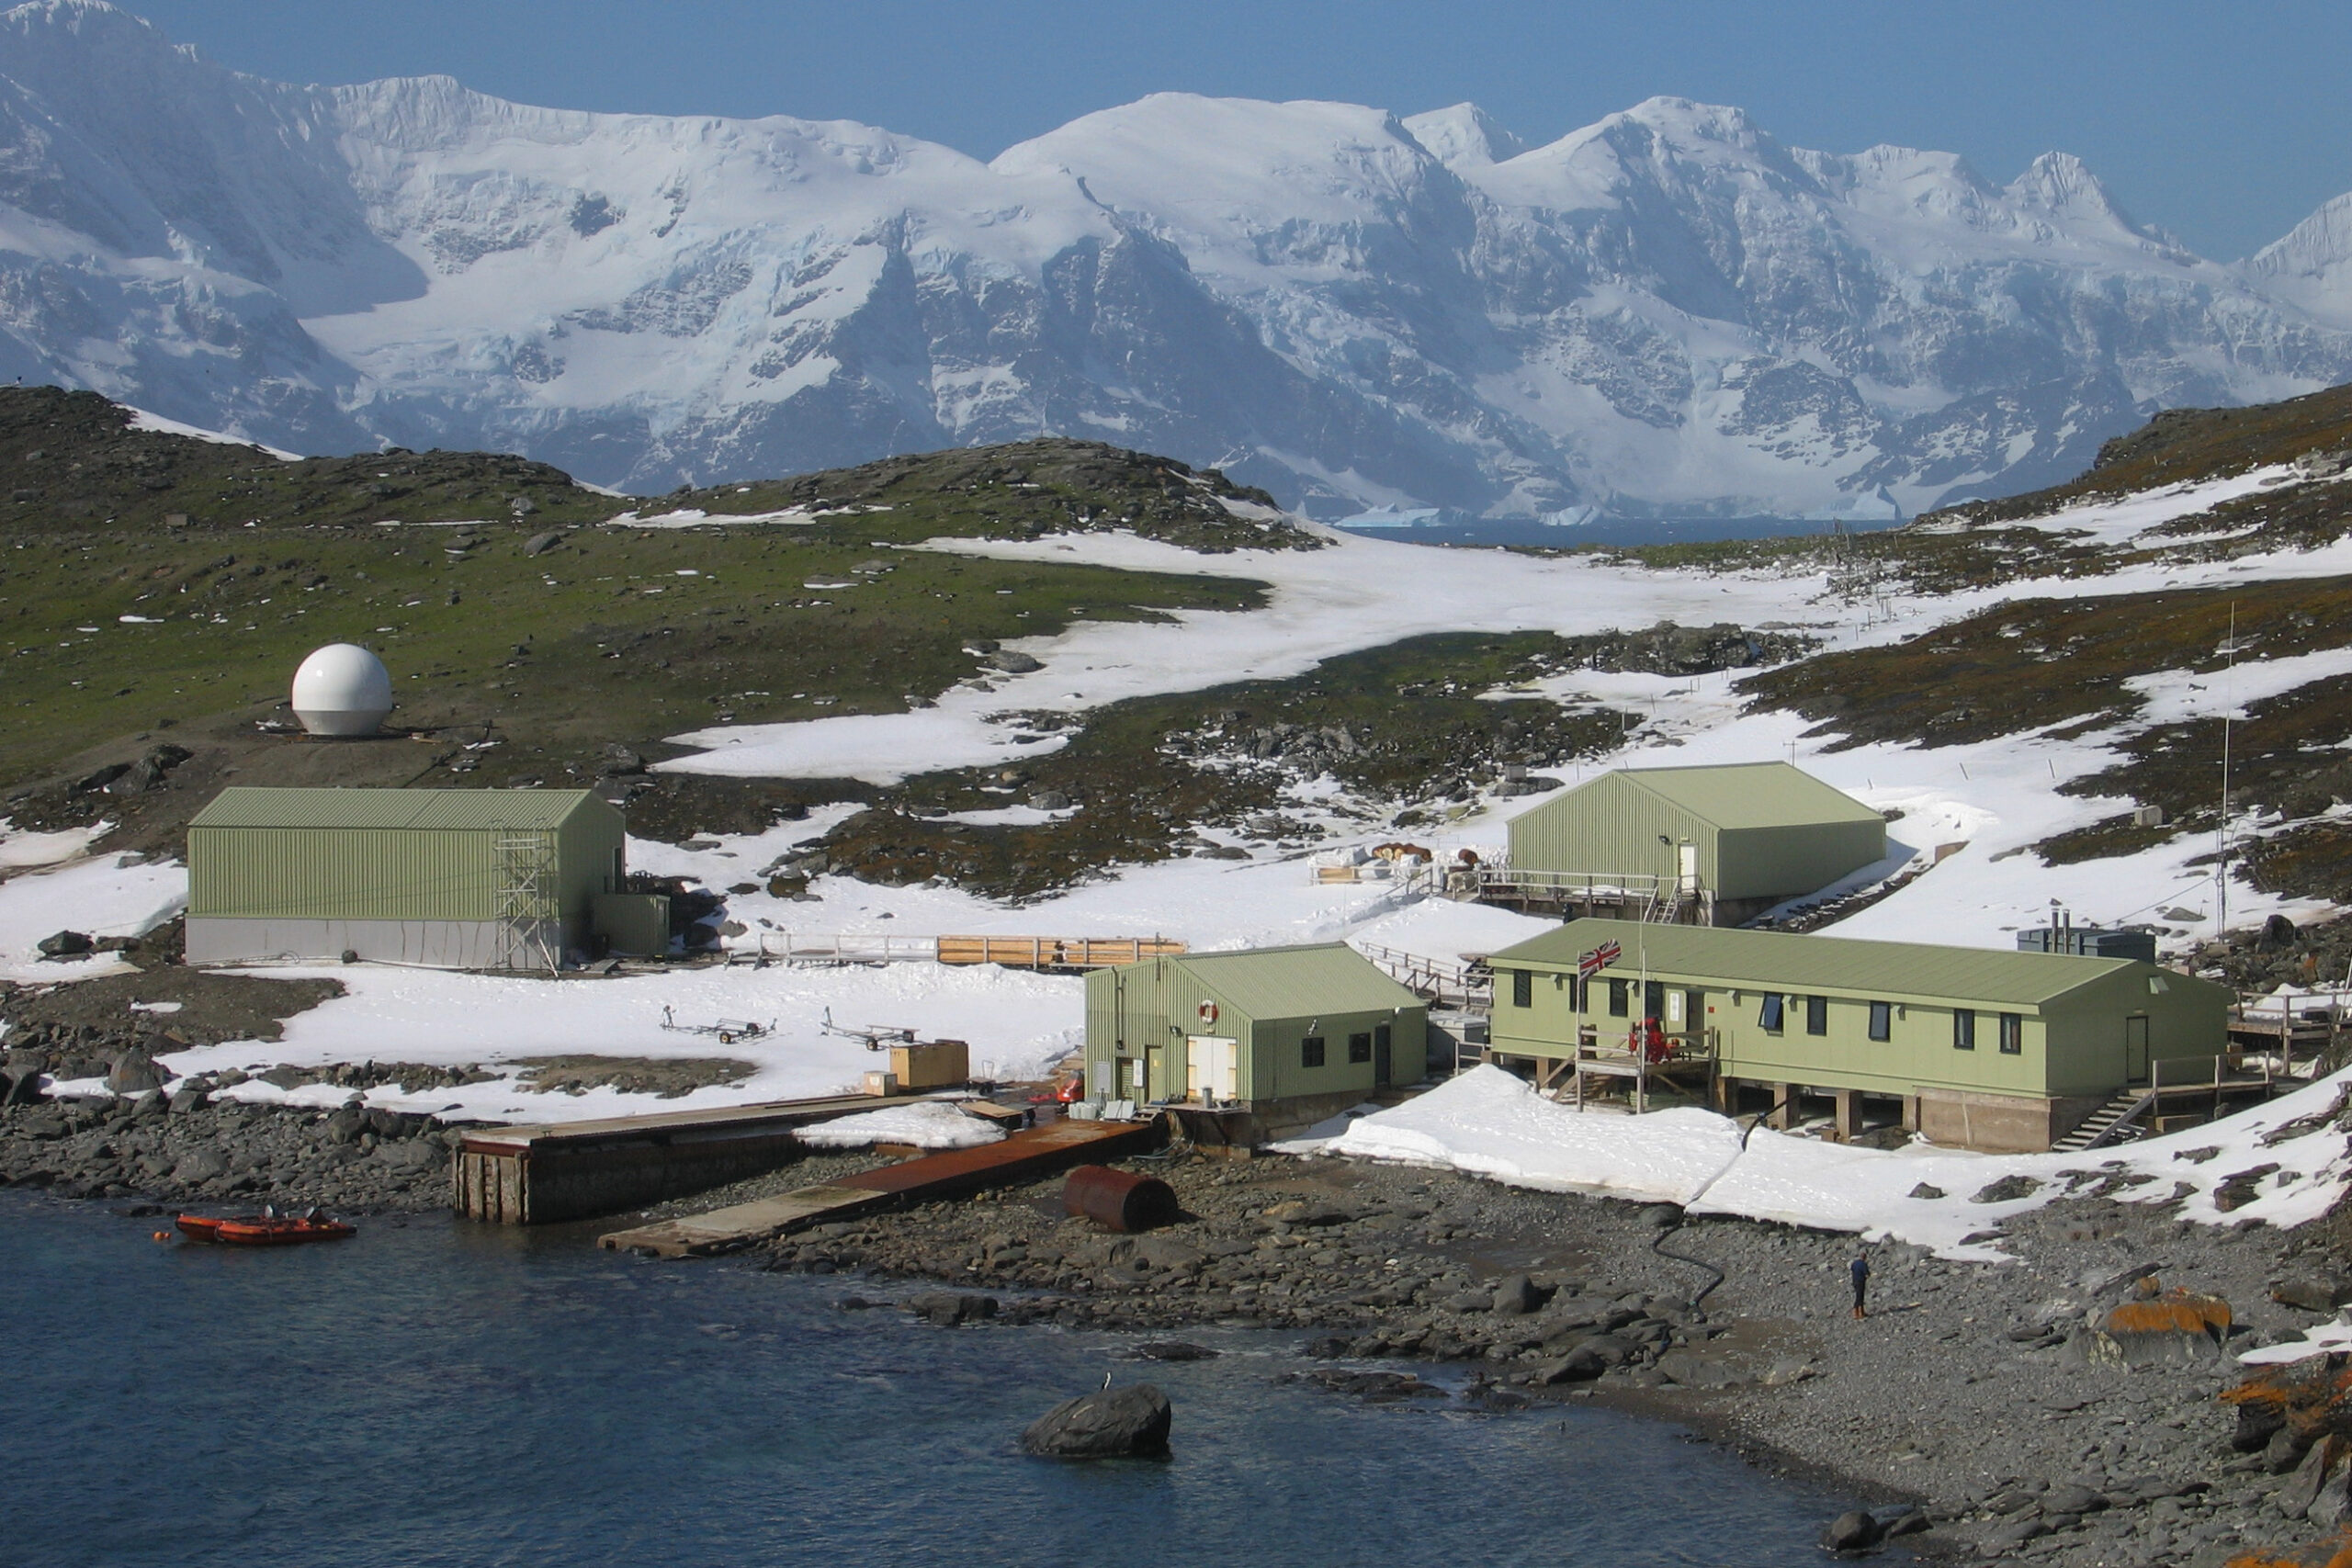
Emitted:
<point x="1860" y="1270"/>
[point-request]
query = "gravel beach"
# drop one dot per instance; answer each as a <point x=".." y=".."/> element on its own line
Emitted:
<point x="1975" y="1390"/>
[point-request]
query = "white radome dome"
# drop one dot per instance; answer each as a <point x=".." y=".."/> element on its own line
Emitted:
<point x="342" y="689"/>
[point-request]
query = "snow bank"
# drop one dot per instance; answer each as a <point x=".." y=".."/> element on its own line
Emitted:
<point x="1018" y="1025"/>
<point x="926" y="1125"/>
<point x="1488" y="1123"/>
<point x="109" y="895"/>
<point x="19" y="850"/>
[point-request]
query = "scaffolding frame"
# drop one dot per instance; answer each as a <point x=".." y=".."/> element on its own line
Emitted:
<point x="527" y="910"/>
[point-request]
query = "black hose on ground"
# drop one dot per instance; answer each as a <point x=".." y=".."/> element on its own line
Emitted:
<point x="1657" y="1243"/>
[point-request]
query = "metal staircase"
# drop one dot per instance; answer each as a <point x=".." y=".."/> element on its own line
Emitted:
<point x="2117" y="1122"/>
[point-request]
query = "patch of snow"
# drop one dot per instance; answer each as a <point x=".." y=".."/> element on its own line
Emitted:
<point x="1009" y="817"/>
<point x="926" y="1125"/>
<point x="1489" y="1123"/>
<point x="105" y="895"/>
<point x="143" y="420"/>
<point x="2320" y="1339"/>
<point x="19" y="850"/>
<point x="1019" y="1023"/>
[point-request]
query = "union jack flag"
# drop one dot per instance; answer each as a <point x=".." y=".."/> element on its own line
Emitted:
<point x="1599" y="958"/>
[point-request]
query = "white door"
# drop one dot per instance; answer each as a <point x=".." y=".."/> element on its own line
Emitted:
<point x="1686" y="866"/>
<point x="1210" y="1063"/>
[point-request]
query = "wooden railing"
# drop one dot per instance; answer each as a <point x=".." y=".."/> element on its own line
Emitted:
<point x="1465" y="982"/>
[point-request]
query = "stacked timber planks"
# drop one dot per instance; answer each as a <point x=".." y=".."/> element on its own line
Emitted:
<point x="1055" y="953"/>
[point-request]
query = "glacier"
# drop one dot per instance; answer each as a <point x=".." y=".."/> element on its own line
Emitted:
<point x="1666" y="314"/>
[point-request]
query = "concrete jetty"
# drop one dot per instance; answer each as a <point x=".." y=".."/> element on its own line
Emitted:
<point x="1023" y="1157"/>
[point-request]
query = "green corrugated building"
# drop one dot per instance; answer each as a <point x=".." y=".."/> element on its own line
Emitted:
<point x="1982" y="1048"/>
<point x="1726" y="840"/>
<point x="449" y="878"/>
<point x="1288" y="1034"/>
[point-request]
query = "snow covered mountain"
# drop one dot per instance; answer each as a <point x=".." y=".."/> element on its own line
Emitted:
<point x="1669" y="312"/>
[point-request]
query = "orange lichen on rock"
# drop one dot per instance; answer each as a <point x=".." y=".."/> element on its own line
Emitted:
<point x="2314" y="1396"/>
<point x="2338" y="1555"/>
<point x="2176" y="1311"/>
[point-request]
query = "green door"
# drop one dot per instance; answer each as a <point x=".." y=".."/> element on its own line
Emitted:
<point x="2135" y="1048"/>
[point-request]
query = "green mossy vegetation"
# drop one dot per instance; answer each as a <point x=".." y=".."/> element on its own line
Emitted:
<point x="1418" y="726"/>
<point x="151" y="579"/>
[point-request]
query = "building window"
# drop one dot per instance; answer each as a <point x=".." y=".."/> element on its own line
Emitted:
<point x="2012" y="1034"/>
<point x="1522" y="988"/>
<point x="1817" y="1015"/>
<point x="1619" y="999"/>
<point x="1963" y="1029"/>
<point x="1770" y="1017"/>
<point x="1359" y="1048"/>
<point x="1310" y="1051"/>
<point x="1881" y="1021"/>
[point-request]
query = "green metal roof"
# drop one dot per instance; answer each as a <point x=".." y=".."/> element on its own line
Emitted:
<point x="447" y="810"/>
<point x="1297" y="982"/>
<point x="1780" y="961"/>
<point x="1750" y="795"/>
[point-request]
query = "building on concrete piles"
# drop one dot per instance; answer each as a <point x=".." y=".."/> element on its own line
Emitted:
<point x="1282" y="1036"/>
<point x="446" y="878"/>
<point x="1717" y="843"/>
<point x="1980" y="1048"/>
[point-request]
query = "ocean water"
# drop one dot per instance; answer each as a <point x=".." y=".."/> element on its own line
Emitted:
<point x="432" y="1393"/>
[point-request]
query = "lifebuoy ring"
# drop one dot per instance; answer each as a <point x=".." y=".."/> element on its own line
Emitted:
<point x="1207" y="1013"/>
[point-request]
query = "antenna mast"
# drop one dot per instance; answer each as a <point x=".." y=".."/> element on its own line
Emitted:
<point x="2222" y="855"/>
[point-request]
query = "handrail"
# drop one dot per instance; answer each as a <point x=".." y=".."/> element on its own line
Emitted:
<point x="2114" y="1129"/>
<point x="1589" y="882"/>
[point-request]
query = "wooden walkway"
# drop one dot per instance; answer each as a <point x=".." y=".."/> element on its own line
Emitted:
<point x="1463" y="982"/>
<point x="1023" y="1157"/>
<point x="804" y="948"/>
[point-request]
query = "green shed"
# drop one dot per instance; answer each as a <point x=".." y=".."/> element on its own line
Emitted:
<point x="1984" y="1048"/>
<point x="1732" y="839"/>
<point x="1292" y="1034"/>
<point x="448" y="878"/>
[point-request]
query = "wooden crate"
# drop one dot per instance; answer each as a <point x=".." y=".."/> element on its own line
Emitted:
<point x="942" y="1063"/>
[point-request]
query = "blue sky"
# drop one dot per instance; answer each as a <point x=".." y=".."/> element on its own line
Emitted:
<point x="2224" y="123"/>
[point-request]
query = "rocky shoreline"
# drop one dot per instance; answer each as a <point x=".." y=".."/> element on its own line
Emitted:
<point x="1977" y="1394"/>
<point x="190" y="1148"/>
<point x="1974" y="1403"/>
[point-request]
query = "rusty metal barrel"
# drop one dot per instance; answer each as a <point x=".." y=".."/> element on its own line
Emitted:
<point x="1119" y="1199"/>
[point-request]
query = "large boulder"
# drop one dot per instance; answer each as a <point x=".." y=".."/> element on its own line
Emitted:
<point x="2178" y="1327"/>
<point x="135" y="1072"/>
<point x="1854" y="1531"/>
<point x="1515" y="1296"/>
<point x="20" y="1077"/>
<point x="1112" y="1423"/>
<point x="2313" y="1292"/>
<point x="65" y="944"/>
<point x="2308" y="1484"/>
<point x="951" y="1309"/>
